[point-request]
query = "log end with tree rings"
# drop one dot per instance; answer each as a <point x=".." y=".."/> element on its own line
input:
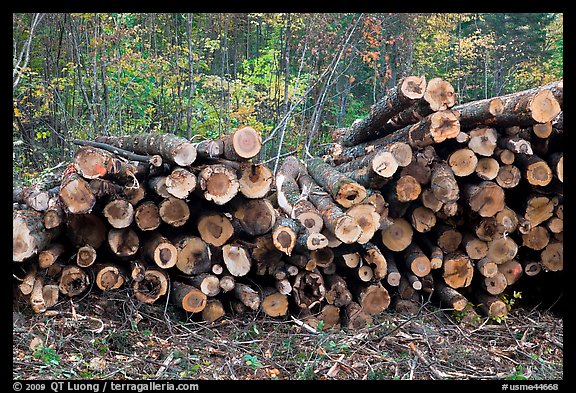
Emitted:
<point x="255" y="181"/>
<point x="384" y="164"/>
<point x="350" y="194"/>
<point x="247" y="142"/>
<point x="347" y="229"/>
<point x="444" y="125"/>
<point x="219" y="183"/>
<point x="439" y="94"/>
<point x="413" y="87"/>
<point x="184" y="154"/>
<point x="544" y="107"/>
<point x="174" y="212"/>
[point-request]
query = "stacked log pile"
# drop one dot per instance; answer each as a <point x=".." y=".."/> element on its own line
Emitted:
<point x="421" y="198"/>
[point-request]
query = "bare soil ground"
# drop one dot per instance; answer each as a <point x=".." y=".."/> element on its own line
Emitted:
<point x="113" y="337"/>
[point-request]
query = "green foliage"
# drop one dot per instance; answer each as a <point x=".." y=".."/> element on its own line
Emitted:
<point x="518" y="375"/>
<point x="47" y="355"/>
<point x="203" y="75"/>
<point x="252" y="361"/>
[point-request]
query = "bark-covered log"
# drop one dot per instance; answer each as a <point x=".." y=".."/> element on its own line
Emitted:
<point x="435" y="128"/>
<point x="337" y="292"/>
<point x="159" y="250"/>
<point x="355" y="317"/>
<point x="404" y="94"/>
<point x="29" y="236"/>
<point x="491" y="305"/>
<point x="416" y="261"/>
<point x="170" y="147"/>
<point x="480" y="111"/>
<point x="188" y="298"/>
<point x="49" y="255"/>
<point x="450" y="296"/>
<point x="53" y="215"/>
<point x="285" y="234"/>
<point x="247" y="295"/>
<point x="210" y="148"/>
<point x="344" y="190"/>
<point x="535" y="169"/>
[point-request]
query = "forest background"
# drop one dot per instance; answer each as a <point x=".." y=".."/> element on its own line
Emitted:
<point x="292" y="76"/>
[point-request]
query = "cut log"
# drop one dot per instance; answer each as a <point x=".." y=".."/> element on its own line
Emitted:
<point x="193" y="255"/>
<point x="37" y="297"/>
<point x="159" y="250"/>
<point x="227" y="283"/>
<point x="475" y="248"/>
<point x="508" y="176"/>
<point x="398" y="235"/>
<point x="308" y="289"/>
<point x="135" y="194"/>
<point x="119" y="213"/>
<point x="480" y="111"/>
<point x="373" y="299"/>
<point x="213" y="310"/>
<point x="210" y="148"/>
<point x="308" y="241"/>
<point x="337" y="292"/>
<point x="53" y="215"/>
<point x="491" y="305"/>
<point x="537" y="238"/>
<point x="457" y="270"/>
<point x="29" y="236"/>
<point x="49" y="255"/>
<point x="429" y="200"/>
<point x="33" y="196"/>
<point x="404" y="94"/>
<point x="147" y="216"/>
<point x="443" y="183"/>
<point x="496" y="284"/>
<point x="255" y="180"/>
<point x="538" y="209"/>
<point x="439" y="94"/>
<point x="373" y="256"/>
<point x="285" y="234"/>
<point x="463" y="162"/>
<point x="219" y="183"/>
<point x="487" y="168"/>
<point x="124" y="243"/>
<point x="422" y="218"/>
<point x="73" y="281"/>
<point x="173" y="148"/>
<point x="208" y="283"/>
<point x="502" y="249"/>
<point x="236" y="259"/>
<point x="393" y="277"/>
<point x="486" y="267"/>
<point x="435" y="252"/>
<point x="50" y="293"/>
<point x="137" y="270"/>
<point x="535" y="170"/>
<point x="450" y="296"/>
<point x="554" y="224"/>
<point x="486" y="198"/>
<point x="556" y="163"/>
<point x="173" y="211"/>
<point x="416" y="261"/>
<point x="507" y="221"/>
<point x="76" y="195"/>
<point x="552" y="257"/>
<point x="109" y="276"/>
<point x="407" y="189"/>
<point x="27" y="285"/>
<point x="365" y="273"/>
<point x="505" y="156"/>
<point x="84" y="229"/>
<point x="435" y="128"/>
<point x="448" y="238"/>
<point x="215" y="228"/>
<point x="344" y="190"/>
<point x="247" y="295"/>
<point x="512" y="270"/>
<point x="531" y="268"/>
<point x="256" y="216"/>
<point x="188" y="298"/>
<point x="86" y="256"/>
<point x="158" y="185"/>
<point x="180" y="183"/>
<point x="367" y="218"/>
<point x="274" y="304"/>
<point x="244" y="144"/>
<point x="528" y="107"/>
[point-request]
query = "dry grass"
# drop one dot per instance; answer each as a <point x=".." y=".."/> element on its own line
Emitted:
<point x="113" y="337"/>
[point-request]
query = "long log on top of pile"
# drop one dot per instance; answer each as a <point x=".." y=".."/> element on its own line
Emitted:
<point x="420" y="199"/>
